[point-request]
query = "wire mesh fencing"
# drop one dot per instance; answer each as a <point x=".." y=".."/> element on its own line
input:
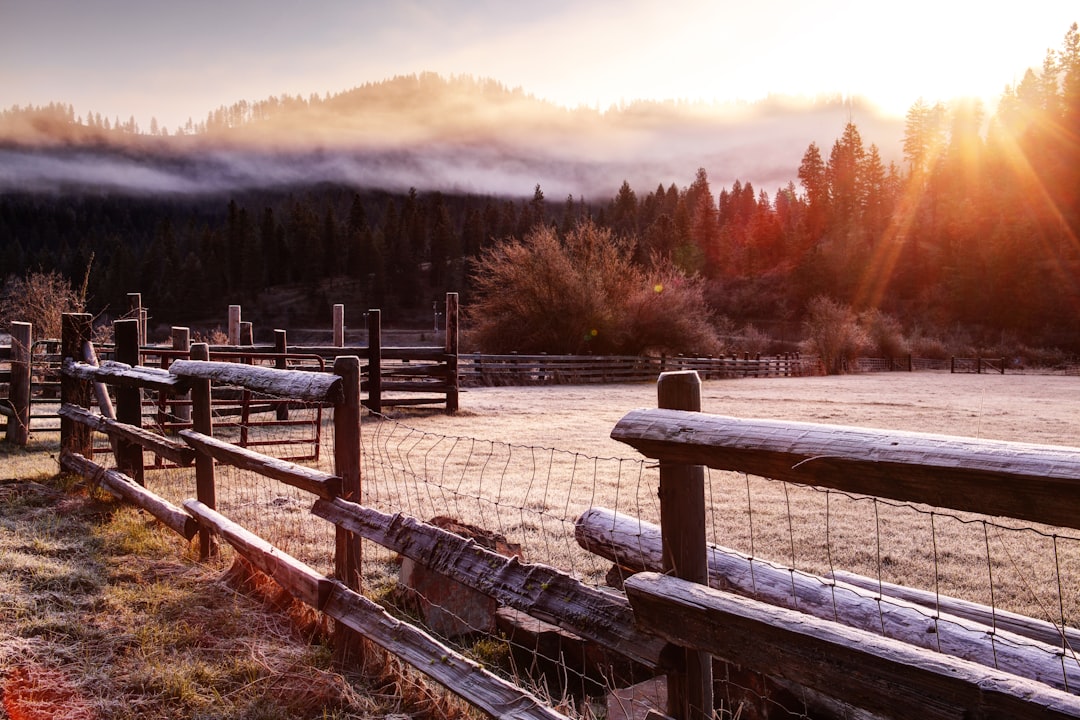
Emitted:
<point x="527" y="502"/>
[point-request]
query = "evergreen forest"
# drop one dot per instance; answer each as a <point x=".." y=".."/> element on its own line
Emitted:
<point x="974" y="230"/>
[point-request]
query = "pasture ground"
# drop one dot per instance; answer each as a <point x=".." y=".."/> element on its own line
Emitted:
<point x="119" y="620"/>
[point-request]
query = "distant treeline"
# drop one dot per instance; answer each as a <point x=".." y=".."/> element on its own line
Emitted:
<point x="978" y="228"/>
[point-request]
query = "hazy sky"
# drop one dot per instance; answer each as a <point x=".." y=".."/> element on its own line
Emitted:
<point x="181" y="58"/>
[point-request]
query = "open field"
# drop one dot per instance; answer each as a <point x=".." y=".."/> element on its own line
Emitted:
<point x="526" y="462"/>
<point x="533" y="496"/>
<point x="1030" y="408"/>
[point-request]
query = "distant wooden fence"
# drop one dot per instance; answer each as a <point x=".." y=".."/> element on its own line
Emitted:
<point x="478" y="369"/>
<point x="977" y="365"/>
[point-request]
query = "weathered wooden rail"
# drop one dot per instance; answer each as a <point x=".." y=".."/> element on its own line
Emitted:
<point x="843" y="641"/>
<point x="337" y="596"/>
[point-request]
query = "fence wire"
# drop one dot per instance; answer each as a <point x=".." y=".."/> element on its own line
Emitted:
<point x="525" y="501"/>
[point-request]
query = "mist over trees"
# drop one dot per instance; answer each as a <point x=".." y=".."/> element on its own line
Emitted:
<point x="974" y="226"/>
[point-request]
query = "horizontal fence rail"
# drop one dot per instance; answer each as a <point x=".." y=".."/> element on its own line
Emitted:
<point x="1040" y="483"/>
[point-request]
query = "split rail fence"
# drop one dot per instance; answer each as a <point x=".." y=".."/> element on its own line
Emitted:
<point x="336" y="595"/>
<point x="898" y="658"/>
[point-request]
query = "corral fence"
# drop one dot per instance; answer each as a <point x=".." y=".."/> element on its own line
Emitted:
<point x="391" y="376"/>
<point x="694" y="613"/>
<point x="477" y="369"/>
<point x="977" y="365"/>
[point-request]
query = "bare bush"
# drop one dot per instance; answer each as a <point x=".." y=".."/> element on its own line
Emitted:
<point x="833" y="334"/>
<point x="584" y="294"/>
<point x="39" y="298"/>
<point x="884" y="334"/>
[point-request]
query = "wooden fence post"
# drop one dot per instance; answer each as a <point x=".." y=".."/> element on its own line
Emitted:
<point x="234" y="325"/>
<point x="75" y="437"/>
<point x="18" y="425"/>
<point x="129" y="458"/>
<point x="452" y="389"/>
<point x="135" y="310"/>
<point x="682" y="521"/>
<point x="181" y="341"/>
<point x="281" y="349"/>
<point x="203" y="422"/>
<point x="247" y="333"/>
<point x="339" y="325"/>
<point x="347" y="643"/>
<point x="374" y="393"/>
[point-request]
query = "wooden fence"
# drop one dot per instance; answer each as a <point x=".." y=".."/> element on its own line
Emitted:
<point x="478" y="369"/>
<point x="894" y="678"/>
<point x="977" y="365"/>
<point x="337" y="596"/>
<point x="847" y="650"/>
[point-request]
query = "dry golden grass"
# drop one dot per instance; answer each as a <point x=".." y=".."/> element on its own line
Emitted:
<point x="106" y="614"/>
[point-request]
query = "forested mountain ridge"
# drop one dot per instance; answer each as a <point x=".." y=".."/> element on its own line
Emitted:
<point x="425" y="131"/>
<point x="972" y="230"/>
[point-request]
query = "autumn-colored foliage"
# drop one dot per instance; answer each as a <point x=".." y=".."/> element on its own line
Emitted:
<point x="583" y="293"/>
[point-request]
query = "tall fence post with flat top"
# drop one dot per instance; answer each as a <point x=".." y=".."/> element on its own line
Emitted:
<point x="129" y="458"/>
<point x="18" y="424"/>
<point x="682" y="522"/>
<point x="452" y="387"/>
<point x="74" y="331"/>
<point x="347" y="560"/>
<point x="202" y="422"/>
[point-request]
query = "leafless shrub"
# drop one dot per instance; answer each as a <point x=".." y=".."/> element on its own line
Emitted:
<point x="40" y="298"/>
<point x="833" y="334"/>
<point x="884" y="334"/>
<point x="584" y="294"/>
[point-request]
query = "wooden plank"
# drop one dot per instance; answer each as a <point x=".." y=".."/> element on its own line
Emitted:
<point x="460" y="675"/>
<point x="637" y="545"/>
<point x="390" y="385"/>
<point x="330" y="352"/>
<point x="296" y="384"/>
<point x="124" y="487"/>
<point x="300" y="580"/>
<point x="396" y="371"/>
<point x="1039" y="483"/>
<point x="436" y="354"/>
<point x="75" y="328"/>
<point x="317" y="482"/>
<point x="177" y="452"/>
<point x="888" y="677"/>
<point x="124" y="375"/>
<point x="533" y="588"/>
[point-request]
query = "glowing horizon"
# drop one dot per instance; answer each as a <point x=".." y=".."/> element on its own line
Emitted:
<point x="124" y="58"/>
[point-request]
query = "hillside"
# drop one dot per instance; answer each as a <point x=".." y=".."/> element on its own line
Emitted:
<point x="434" y="133"/>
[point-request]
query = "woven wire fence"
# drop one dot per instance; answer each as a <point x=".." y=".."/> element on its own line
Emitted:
<point x="526" y="501"/>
